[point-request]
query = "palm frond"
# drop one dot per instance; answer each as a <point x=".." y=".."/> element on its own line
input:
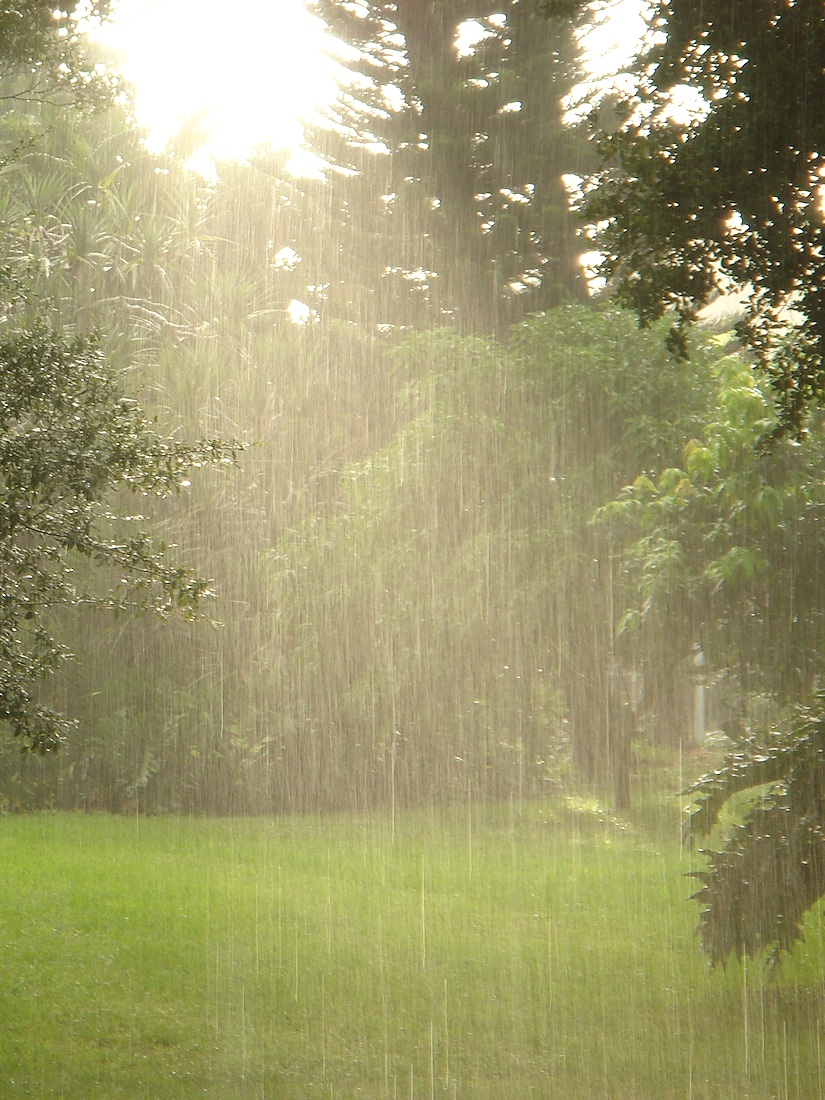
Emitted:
<point x="756" y="891"/>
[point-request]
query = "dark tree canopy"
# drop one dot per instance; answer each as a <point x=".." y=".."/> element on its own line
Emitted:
<point x="723" y="192"/>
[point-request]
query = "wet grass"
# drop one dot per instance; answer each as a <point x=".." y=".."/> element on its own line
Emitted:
<point x="507" y="951"/>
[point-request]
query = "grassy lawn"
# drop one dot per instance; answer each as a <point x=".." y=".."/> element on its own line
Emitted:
<point x="507" y="951"/>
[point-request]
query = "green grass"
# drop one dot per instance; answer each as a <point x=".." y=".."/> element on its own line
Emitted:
<point x="511" y="951"/>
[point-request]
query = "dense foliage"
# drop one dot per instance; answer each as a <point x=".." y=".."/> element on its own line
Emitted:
<point x="190" y="283"/>
<point x="712" y="180"/>
<point x="69" y="438"/>
<point x="178" y="277"/>
<point x="450" y="619"/>
<point x="712" y="183"/>
<point x="724" y="550"/>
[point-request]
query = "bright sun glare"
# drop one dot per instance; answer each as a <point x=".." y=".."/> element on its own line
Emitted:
<point x="250" y="72"/>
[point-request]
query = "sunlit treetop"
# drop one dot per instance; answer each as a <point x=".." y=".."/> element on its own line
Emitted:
<point x="712" y="180"/>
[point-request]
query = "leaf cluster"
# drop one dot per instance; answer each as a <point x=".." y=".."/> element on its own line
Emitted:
<point x="711" y="181"/>
<point x="756" y="890"/>
<point x="729" y="536"/>
<point x="69" y="440"/>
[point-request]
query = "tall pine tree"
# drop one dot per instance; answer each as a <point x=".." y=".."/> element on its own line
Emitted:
<point x="444" y="196"/>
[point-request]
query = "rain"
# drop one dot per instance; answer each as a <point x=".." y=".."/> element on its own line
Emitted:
<point x="411" y="591"/>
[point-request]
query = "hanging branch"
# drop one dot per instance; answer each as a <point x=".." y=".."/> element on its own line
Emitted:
<point x="756" y="891"/>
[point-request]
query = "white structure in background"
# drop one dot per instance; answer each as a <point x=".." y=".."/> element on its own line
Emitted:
<point x="699" y="715"/>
